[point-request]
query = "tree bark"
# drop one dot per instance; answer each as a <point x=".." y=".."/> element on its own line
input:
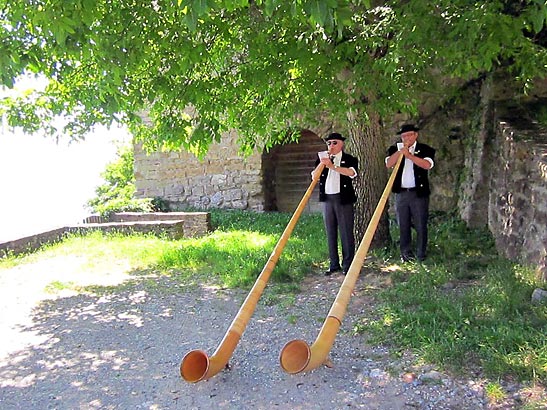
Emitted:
<point x="368" y="145"/>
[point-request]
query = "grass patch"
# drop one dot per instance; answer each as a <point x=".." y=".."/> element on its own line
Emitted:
<point x="99" y="249"/>
<point x="494" y="392"/>
<point x="232" y="255"/>
<point x="241" y="243"/>
<point x="464" y="308"/>
<point x="57" y="286"/>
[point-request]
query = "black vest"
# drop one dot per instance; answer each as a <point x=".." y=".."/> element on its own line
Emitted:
<point x="347" y="192"/>
<point x="420" y="174"/>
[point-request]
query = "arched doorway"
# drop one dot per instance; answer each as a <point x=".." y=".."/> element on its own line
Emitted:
<point x="287" y="174"/>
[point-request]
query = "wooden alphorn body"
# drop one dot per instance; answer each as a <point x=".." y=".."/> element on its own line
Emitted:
<point x="196" y="365"/>
<point x="297" y="356"/>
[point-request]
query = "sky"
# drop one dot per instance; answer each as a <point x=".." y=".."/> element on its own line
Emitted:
<point x="45" y="184"/>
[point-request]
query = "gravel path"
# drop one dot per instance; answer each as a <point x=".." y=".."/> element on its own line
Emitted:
<point x="121" y="347"/>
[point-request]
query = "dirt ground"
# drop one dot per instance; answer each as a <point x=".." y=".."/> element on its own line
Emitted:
<point x="114" y="339"/>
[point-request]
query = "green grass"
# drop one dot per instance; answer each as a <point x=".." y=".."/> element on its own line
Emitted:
<point x="464" y="309"/>
<point x="494" y="392"/>
<point x="138" y="250"/>
<point x="232" y="255"/>
<point x="241" y="243"/>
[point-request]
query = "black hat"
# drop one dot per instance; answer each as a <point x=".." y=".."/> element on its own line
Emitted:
<point x="335" y="136"/>
<point x="407" y="128"/>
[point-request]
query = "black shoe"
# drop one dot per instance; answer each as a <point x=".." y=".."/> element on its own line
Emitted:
<point x="331" y="271"/>
<point x="407" y="258"/>
<point x="345" y="272"/>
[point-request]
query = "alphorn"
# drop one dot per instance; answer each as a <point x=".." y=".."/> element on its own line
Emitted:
<point x="196" y="365"/>
<point x="297" y="356"/>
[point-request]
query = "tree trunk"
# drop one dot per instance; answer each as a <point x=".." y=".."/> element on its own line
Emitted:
<point x="368" y="145"/>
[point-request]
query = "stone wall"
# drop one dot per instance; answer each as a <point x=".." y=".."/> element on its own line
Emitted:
<point x="450" y="128"/>
<point x="477" y="161"/>
<point x="504" y="175"/>
<point x="491" y="165"/>
<point x="192" y="224"/>
<point x="33" y="242"/>
<point x="517" y="208"/>
<point x="224" y="179"/>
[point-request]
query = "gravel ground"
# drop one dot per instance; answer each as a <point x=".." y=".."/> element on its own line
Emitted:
<point x="121" y="347"/>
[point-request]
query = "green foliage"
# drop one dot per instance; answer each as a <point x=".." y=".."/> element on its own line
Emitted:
<point x="116" y="194"/>
<point x="260" y="67"/>
<point x="160" y="205"/>
<point x="538" y="112"/>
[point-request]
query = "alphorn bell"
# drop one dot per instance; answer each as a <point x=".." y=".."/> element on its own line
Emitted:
<point x="296" y="356"/>
<point x="196" y="365"/>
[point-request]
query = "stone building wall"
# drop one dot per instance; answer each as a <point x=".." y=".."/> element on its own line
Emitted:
<point x="503" y="180"/>
<point x="224" y="179"/>
<point x="517" y="208"/>
<point x="477" y="161"/>
<point x="491" y="166"/>
<point x="449" y="133"/>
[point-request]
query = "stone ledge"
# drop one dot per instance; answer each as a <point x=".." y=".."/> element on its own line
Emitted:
<point x="193" y="223"/>
<point x="33" y="242"/>
<point x="173" y="229"/>
<point x="175" y="225"/>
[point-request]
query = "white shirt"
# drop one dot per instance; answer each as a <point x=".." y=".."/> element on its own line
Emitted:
<point x="332" y="184"/>
<point x="407" y="179"/>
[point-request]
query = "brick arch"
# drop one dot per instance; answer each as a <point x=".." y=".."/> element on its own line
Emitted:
<point x="287" y="173"/>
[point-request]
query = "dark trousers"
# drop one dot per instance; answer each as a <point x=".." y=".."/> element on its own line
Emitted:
<point x="339" y="218"/>
<point x="412" y="211"/>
